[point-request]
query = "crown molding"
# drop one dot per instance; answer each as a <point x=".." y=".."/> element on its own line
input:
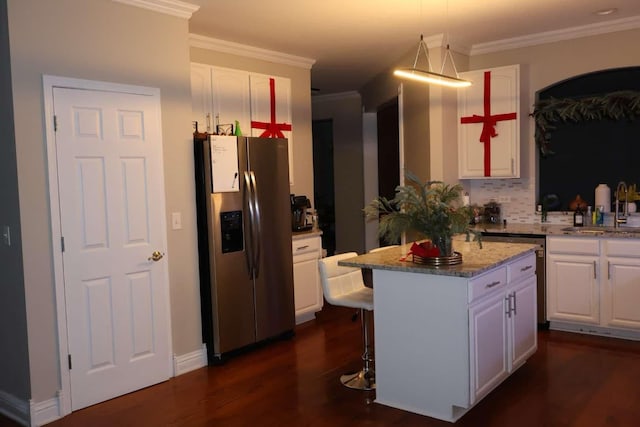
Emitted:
<point x="177" y="8"/>
<point x="224" y="46"/>
<point x="558" y="35"/>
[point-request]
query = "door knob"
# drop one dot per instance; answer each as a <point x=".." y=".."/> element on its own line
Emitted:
<point x="155" y="256"/>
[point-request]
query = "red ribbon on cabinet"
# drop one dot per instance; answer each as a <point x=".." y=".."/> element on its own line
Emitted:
<point x="272" y="129"/>
<point x="488" y="121"/>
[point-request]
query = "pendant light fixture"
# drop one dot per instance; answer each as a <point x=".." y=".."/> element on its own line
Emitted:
<point x="429" y="76"/>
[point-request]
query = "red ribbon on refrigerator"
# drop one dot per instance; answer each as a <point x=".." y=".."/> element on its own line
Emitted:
<point x="488" y="121"/>
<point x="272" y="129"/>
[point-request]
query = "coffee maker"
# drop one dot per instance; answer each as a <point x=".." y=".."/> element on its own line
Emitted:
<point x="299" y="206"/>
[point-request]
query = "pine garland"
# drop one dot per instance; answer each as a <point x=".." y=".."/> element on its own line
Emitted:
<point x="615" y="106"/>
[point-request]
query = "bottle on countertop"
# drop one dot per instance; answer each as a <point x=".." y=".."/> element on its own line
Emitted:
<point x="603" y="197"/>
<point x="588" y="218"/>
<point x="578" y="217"/>
<point x="600" y="215"/>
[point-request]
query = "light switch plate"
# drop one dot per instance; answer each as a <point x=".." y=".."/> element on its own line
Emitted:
<point x="6" y="235"/>
<point x="176" y="220"/>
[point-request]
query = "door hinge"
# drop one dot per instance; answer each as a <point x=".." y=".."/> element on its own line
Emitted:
<point x="55" y="123"/>
<point x="62" y="243"/>
<point x="69" y="358"/>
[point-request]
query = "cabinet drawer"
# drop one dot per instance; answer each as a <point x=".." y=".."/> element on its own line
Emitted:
<point x="622" y="247"/>
<point x="489" y="282"/>
<point x="578" y="246"/>
<point x="302" y="246"/>
<point x="521" y="268"/>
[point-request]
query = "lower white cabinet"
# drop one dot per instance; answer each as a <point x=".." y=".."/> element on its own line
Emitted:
<point x="502" y="330"/>
<point x="307" y="250"/>
<point x="594" y="285"/>
<point x="573" y="279"/>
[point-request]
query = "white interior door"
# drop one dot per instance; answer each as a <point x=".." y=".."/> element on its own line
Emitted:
<point x="111" y="192"/>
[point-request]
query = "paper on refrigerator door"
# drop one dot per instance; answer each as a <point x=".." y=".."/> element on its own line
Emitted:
<point x="224" y="164"/>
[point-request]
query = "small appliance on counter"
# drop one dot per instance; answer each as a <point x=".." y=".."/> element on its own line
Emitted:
<point x="299" y="206"/>
<point x="491" y="213"/>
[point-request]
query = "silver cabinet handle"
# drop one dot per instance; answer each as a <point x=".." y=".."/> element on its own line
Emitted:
<point x="492" y="284"/>
<point x="594" y="270"/>
<point x="528" y="267"/>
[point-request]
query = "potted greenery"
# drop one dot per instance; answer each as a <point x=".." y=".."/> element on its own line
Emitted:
<point x="432" y="210"/>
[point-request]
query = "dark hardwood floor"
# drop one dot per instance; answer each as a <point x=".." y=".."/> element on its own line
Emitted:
<point x="572" y="380"/>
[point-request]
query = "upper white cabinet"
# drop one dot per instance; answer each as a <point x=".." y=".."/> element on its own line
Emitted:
<point x="260" y="103"/>
<point x="489" y="124"/>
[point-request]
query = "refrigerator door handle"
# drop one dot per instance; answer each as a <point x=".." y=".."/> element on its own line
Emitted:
<point x="257" y="235"/>
<point x="246" y="200"/>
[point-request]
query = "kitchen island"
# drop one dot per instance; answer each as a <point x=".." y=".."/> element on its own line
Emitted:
<point x="446" y="336"/>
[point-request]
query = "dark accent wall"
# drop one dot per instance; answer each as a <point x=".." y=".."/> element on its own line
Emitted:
<point x="593" y="152"/>
<point x="14" y="369"/>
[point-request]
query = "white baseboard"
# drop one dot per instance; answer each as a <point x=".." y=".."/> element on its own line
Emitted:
<point x="594" y="330"/>
<point x="46" y="411"/>
<point x="14" y="408"/>
<point x="190" y="361"/>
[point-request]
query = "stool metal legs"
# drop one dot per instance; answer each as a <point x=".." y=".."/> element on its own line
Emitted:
<point x="365" y="378"/>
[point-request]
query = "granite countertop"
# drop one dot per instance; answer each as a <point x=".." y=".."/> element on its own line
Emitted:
<point x="474" y="259"/>
<point x="295" y="235"/>
<point x="560" y="230"/>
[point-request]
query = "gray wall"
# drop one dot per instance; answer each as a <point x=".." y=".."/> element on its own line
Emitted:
<point x="107" y="41"/>
<point x="346" y="112"/>
<point x="14" y="369"/>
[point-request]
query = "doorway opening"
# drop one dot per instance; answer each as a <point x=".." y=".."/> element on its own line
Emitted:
<point x="388" y="151"/>
<point x="323" y="190"/>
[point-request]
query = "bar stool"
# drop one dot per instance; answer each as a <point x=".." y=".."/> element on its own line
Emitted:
<point x="343" y="286"/>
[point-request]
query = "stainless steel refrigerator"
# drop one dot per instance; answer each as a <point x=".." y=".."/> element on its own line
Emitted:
<point x="244" y="241"/>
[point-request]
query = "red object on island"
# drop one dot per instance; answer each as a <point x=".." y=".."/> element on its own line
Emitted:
<point x="424" y="249"/>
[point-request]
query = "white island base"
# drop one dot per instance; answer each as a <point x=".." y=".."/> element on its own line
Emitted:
<point x="442" y="342"/>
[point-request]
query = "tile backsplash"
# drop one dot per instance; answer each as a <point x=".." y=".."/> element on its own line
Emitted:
<point x="516" y="198"/>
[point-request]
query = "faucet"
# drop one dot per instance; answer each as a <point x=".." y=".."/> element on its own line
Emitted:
<point x="617" y="220"/>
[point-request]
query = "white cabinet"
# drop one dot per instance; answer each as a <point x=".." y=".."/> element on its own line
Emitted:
<point x="573" y="285"/>
<point x="595" y="282"/>
<point x="489" y="124"/>
<point x="621" y="289"/>
<point x="306" y="278"/>
<point x="222" y="96"/>
<point x="502" y="326"/>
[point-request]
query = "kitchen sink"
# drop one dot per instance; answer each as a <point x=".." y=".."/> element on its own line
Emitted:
<point x="598" y="230"/>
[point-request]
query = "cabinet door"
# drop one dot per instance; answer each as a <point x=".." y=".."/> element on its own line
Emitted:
<point x="231" y="98"/>
<point x="494" y="94"/>
<point x="573" y="292"/>
<point x="621" y="296"/>
<point x="272" y="104"/>
<point x="488" y="345"/>
<point x="523" y="324"/>
<point x="201" y="98"/>
<point x="306" y="285"/>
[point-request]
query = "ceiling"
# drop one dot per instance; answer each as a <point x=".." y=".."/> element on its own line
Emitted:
<point x="353" y="40"/>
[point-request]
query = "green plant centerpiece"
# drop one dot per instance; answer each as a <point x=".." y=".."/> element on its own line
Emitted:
<point x="433" y="210"/>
